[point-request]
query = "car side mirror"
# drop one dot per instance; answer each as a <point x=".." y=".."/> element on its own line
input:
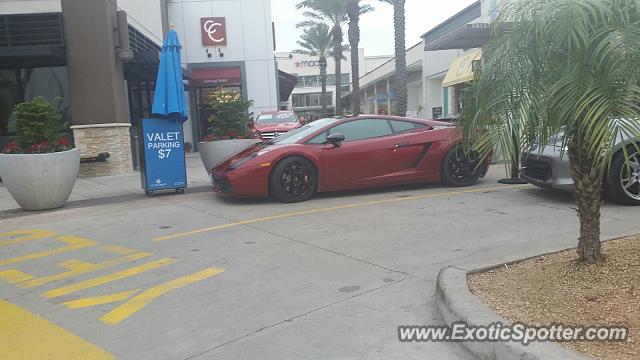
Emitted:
<point x="335" y="139"/>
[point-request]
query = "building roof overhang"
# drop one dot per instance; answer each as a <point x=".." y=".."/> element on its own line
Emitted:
<point x="32" y="56"/>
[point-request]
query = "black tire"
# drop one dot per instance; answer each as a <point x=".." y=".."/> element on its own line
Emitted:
<point x="621" y="175"/>
<point x="460" y="169"/>
<point x="294" y="179"/>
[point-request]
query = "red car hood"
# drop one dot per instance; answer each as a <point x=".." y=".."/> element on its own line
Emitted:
<point x="284" y="127"/>
<point x="247" y="152"/>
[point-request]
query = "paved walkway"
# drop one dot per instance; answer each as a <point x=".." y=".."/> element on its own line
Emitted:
<point x="114" y="188"/>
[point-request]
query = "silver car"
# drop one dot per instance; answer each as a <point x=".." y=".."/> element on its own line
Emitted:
<point x="549" y="168"/>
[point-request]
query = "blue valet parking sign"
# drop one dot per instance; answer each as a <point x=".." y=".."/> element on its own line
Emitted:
<point x="163" y="164"/>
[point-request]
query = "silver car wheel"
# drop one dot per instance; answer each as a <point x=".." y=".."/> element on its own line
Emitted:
<point x="630" y="177"/>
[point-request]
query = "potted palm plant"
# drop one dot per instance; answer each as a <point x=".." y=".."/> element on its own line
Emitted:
<point x="39" y="168"/>
<point x="228" y="135"/>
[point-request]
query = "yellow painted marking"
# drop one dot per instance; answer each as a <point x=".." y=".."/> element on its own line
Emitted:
<point x="13" y="276"/>
<point x="77" y="271"/>
<point x="101" y="280"/>
<point x="99" y="300"/>
<point x="27" y="336"/>
<point x="143" y="299"/>
<point x="74" y="264"/>
<point x="327" y="209"/>
<point x="75" y="243"/>
<point x="31" y="234"/>
<point x="119" y="249"/>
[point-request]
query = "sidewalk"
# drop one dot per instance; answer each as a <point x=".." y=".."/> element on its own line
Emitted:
<point x="116" y="187"/>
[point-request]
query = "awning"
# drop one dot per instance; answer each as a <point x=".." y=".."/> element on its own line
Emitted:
<point x="287" y="83"/>
<point x="461" y="70"/>
<point x="216" y="76"/>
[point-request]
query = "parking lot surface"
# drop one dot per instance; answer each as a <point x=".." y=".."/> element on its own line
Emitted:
<point x="196" y="276"/>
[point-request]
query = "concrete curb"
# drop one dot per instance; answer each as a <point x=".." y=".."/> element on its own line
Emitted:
<point x="456" y="303"/>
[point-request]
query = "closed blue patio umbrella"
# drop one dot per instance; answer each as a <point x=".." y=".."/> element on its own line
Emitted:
<point x="169" y="100"/>
<point x="162" y="164"/>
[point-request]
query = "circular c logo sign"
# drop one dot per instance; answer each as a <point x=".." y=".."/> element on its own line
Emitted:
<point x="210" y="27"/>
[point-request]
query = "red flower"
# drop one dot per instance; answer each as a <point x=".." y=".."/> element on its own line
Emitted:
<point x="12" y="148"/>
<point x="64" y="142"/>
<point x="232" y="133"/>
<point x="41" y="147"/>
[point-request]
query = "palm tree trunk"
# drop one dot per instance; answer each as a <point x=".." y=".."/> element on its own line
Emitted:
<point x="400" y="80"/>
<point x="337" y="57"/>
<point x="353" y="9"/>
<point x="588" y="197"/>
<point x="323" y="84"/>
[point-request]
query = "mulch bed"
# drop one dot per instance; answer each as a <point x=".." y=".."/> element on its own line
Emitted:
<point x="558" y="289"/>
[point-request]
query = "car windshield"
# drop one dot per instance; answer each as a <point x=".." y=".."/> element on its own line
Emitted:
<point x="294" y="136"/>
<point x="276" y="118"/>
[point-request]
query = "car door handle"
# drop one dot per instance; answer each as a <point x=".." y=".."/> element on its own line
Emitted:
<point x="402" y="145"/>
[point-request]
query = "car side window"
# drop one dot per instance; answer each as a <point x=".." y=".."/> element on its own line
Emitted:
<point x="362" y="129"/>
<point x="405" y="126"/>
<point x="319" y="139"/>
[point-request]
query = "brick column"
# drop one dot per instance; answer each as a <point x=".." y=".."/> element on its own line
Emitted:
<point x="99" y="138"/>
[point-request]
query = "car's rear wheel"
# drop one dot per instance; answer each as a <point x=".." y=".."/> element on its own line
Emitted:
<point x="294" y="179"/>
<point x="623" y="182"/>
<point x="459" y="168"/>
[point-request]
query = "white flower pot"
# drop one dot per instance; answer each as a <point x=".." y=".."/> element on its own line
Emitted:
<point x="40" y="181"/>
<point x="214" y="153"/>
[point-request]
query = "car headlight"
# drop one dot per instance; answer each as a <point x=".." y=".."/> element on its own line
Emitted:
<point x="241" y="162"/>
<point x="261" y="152"/>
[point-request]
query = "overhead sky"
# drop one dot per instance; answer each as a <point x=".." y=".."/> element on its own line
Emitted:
<point x="376" y="28"/>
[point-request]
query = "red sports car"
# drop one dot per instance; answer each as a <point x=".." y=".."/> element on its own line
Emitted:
<point x="339" y="154"/>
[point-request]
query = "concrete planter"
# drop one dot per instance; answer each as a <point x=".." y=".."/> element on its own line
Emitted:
<point x="214" y="153"/>
<point x="40" y="181"/>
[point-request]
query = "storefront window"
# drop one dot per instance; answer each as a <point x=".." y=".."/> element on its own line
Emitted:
<point x="19" y="85"/>
<point x="331" y="79"/>
<point x="345" y="79"/>
<point x="311" y="81"/>
<point x="312" y="99"/>
<point x="297" y="100"/>
<point x="309" y="100"/>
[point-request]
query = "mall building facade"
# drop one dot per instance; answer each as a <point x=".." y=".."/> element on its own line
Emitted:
<point x="439" y="67"/>
<point x="305" y="98"/>
<point x="100" y="57"/>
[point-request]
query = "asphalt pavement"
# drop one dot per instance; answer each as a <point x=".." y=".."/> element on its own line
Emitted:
<point x="196" y="276"/>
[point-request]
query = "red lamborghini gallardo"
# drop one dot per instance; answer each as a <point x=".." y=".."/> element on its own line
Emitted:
<point x="339" y="154"/>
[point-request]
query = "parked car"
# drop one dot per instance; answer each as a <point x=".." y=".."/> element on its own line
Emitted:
<point x="271" y="124"/>
<point x="339" y="154"/>
<point x="549" y="168"/>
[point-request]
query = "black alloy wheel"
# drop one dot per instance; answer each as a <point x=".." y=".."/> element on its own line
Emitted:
<point x="293" y="179"/>
<point x="460" y="169"/>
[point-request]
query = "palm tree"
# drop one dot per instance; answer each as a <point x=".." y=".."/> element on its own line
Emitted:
<point x="566" y="67"/>
<point x="400" y="78"/>
<point x="317" y="41"/>
<point x="354" y="10"/>
<point x="334" y="14"/>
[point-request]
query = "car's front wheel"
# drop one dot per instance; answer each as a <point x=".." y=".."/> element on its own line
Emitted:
<point x="623" y="183"/>
<point x="459" y="168"/>
<point x="294" y="179"/>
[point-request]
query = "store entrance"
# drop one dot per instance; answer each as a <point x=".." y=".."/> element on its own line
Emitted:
<point x="203" y="95"/>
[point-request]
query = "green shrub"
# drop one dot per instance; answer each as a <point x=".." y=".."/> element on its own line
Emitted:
<point x="230" y="115"/>
<point x="39" y="127"/>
